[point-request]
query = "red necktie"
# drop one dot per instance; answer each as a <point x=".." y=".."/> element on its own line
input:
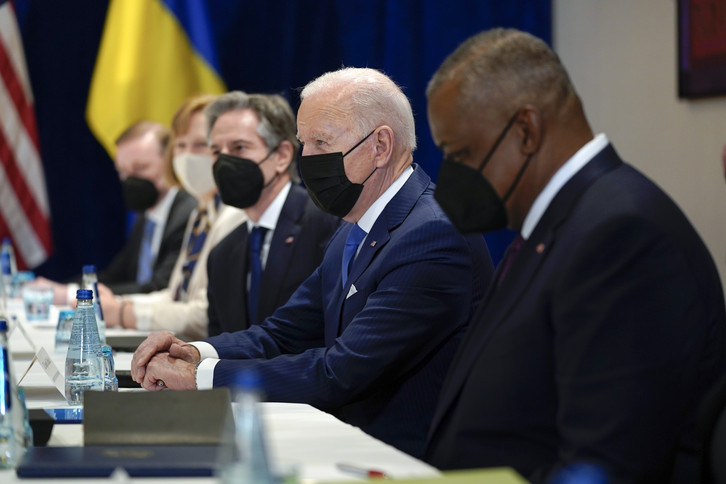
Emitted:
<point x="512" y="252"/>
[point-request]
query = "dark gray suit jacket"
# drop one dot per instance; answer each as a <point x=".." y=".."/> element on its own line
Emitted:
<point x="120" y="275"/>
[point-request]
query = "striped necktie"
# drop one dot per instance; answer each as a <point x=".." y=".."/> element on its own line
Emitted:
<point x="197" y="236"/>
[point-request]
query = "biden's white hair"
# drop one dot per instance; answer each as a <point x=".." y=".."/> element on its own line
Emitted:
<point x="372" y="99"/>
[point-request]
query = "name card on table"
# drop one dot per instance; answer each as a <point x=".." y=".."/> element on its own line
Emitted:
<point x="46" y="362"/>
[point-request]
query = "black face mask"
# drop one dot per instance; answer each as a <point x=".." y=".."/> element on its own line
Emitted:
<point x="328" y="185"/>
<point x="467" y="197"/>
<point x="139" y="193"/>
<point x="240" y="181"/>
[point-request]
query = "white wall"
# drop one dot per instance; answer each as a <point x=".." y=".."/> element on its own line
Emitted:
<point x="621" y="56"/>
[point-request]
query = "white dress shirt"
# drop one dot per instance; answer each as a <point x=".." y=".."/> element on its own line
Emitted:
<point x="558" y="180"/>
<point x="268" y="220"/>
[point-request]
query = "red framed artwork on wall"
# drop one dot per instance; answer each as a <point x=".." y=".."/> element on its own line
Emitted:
<point x="701" y="48"/>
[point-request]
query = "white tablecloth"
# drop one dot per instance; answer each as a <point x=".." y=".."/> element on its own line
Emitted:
<point x="299" y="436"/>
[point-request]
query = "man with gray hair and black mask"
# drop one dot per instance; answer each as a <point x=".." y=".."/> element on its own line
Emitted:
<point x="370" y="334"/>
<point x="253" y="139"/>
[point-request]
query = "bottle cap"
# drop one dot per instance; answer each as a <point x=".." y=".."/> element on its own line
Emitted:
<point x="84" y="294"/>
<point x="89" y="268"/>
<point x="3" y="324"/>
<point x="105" y="349"/>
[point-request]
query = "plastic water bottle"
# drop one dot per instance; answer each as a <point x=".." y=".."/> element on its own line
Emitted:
<point x="7" y="261"/>
<point x="110" y="381"/>
<point x="15" y="432"/>
<point x="252" y="464"/>
<point x="84" y="361"/>
<point x="90" y="282"/>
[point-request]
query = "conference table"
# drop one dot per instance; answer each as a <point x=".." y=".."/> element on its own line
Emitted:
<point x="300" y="439"/>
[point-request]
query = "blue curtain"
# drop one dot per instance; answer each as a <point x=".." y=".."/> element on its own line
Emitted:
<point x="264" y="46"/>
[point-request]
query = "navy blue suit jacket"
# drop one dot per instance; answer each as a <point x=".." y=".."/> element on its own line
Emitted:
<point x="296" y="250"/>
<point x="598" y="345"/>
<point x="374" y="353"/>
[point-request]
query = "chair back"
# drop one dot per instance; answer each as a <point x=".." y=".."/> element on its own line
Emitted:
<point x="712" y="431"/>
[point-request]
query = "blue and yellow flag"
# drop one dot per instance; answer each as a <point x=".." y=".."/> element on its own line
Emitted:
<point x="154" y="54"/>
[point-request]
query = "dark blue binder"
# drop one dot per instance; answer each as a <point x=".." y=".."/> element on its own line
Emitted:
<point x="137" y="461"/>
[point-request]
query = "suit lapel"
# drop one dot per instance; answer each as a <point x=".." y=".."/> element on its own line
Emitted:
<point x="497" y="303"/>
<point x="391" y="217"/>
<point x="500" y="300"/>
<point x="172" y="212"/>
<point x="137" y="232"/>
<point x="374" y="242"/>
<point x="171" y="222"/>
<point x="282" y="246"/>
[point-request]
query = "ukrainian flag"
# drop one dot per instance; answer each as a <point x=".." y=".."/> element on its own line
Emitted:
<point x="154" y="54"/>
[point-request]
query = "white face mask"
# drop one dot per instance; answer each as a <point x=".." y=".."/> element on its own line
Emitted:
<point x="195" y="173"/>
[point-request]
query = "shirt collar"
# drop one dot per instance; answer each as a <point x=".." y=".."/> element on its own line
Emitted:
<point x="374" y="211"/>
<point x="558" y="180"/>
<point x="269" y="217"/>
<point x="159" y="213"/>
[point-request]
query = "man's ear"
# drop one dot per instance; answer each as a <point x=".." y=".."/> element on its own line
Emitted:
<point x="383" y="139"/>
<point x="285" y="155"/>
<point x="530" y="124"/>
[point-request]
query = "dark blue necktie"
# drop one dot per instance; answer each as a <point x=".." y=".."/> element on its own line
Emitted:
<point x="355" y="236"/>
<point x="145" y="268"/>
<point x="255" y="245"/>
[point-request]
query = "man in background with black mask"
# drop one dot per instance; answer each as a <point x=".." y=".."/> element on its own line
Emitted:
<point x="605" y="325"/>
<point x="150" y="188"/>
<point x="370" y="334"/>
<point x="256" y="268"/>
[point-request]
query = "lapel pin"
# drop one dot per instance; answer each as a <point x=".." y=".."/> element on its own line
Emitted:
<point x="373" y="244"/>
<point x="540" y="248"/>
<point x="289" y="240"/>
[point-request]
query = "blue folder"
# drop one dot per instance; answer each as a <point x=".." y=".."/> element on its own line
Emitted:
<point x="136" y="460"/>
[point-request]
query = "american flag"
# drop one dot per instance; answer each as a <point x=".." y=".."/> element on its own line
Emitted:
<point x="24" y="212"/>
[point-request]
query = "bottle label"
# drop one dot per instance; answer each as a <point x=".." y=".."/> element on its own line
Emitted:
<point x="5" y="397"/>
<point x="5" y="263"/>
